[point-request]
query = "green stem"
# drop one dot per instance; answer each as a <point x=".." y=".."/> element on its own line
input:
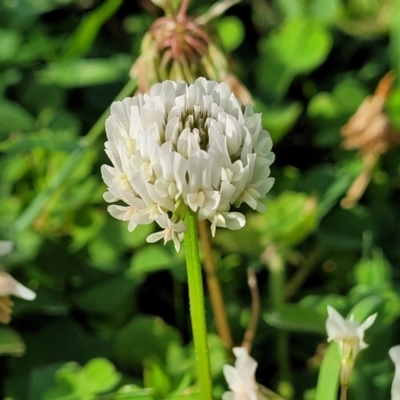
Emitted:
<point x="197" y="311"/>
<point x="276" y="267"/>
<point x="40" y="201"/>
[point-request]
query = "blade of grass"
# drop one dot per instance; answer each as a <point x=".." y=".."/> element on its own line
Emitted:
<point x="81" y="40"/>
<point x="328" y="378"/>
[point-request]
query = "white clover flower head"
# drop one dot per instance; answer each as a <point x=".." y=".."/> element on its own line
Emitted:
<point x="348" y="334"/>
<point x="185" y="146"/>
<point x="241" y="377"/>
<point x="394" y="353"/>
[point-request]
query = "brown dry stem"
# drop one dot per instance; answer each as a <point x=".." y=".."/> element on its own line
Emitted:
<point x="214" y="287"/>
<point x="255" y="310"/>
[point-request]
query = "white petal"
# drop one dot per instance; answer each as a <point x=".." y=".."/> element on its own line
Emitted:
<point x="10" y="286"/>
<point x="369" y="321"/>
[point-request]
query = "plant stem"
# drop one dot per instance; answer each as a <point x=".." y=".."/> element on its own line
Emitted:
<point x="343" y="392"/>
<point x="197" y="311"/>
<point x="42" y="198"/>
<point x="276" y="266"/>
<point x="214" y="287"/>
<point x="255" y="310"/>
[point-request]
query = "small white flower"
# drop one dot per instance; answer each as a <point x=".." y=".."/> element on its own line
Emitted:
<point x="185" y="146"/>
<point x="241" y="377"/>
<point x="348" y="334"/>
<point x="394" y="353"/>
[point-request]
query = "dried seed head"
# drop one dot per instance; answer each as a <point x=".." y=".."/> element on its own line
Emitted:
<point x="369" y="130"/>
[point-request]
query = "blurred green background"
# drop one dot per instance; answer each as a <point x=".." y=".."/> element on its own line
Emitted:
<point x="111" y="314"/>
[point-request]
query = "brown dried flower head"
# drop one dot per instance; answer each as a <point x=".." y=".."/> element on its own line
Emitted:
<point x="370" y="132"/>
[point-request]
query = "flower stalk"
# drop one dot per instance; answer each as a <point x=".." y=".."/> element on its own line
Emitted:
<point x="197" y="311"/>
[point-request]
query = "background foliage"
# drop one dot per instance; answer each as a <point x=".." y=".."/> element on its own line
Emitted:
<point x="111" y="313"/>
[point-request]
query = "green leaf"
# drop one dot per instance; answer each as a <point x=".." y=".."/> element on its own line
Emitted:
<point x="299" y="46"/>
<point x="10" y="42"/>
<point x="154" y="376"/>
<point x="193" y="395"/>
<point x="107" y="296"/>
<point x="383" y="303"/>
<point x="85" y="72"/>
<point x="328" y="184"/>
<point x="138" y="236"/>
<point x="288" y="220"/>
<point x="365" y="308"/>
<point x="85" y="34"/>
<point x="99" y="375"/>
<point x="392" y="107"/>
<point x="344" y="100"/>
<point x="294" y="317"/>
<point x="278" y="121"/>
<point x="324" y="10"/>
<point x="374" y="271"/>
<point x="328" y="377"/>
<point x="143" y="337"/>
<point x="133" y="392"/>
<point x="73" y="382"/>
<point x="323" y="105"/>
<point x="65" y="384"/>
<point x="302" y="45"/>
<point x="344" y="228"/>
<point x="231" y="31"/>
<point x="44" y="139"/>
<point x="150" y="259"/>
<point x="14" y="118"/>
<point x="394" y="44"/>
<point x="10" y="342"/>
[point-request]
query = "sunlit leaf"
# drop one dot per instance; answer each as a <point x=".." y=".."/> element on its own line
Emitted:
<point x="299" y="46"/>
<point x="231" y="31"/>
<point x="99" y="375"/>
